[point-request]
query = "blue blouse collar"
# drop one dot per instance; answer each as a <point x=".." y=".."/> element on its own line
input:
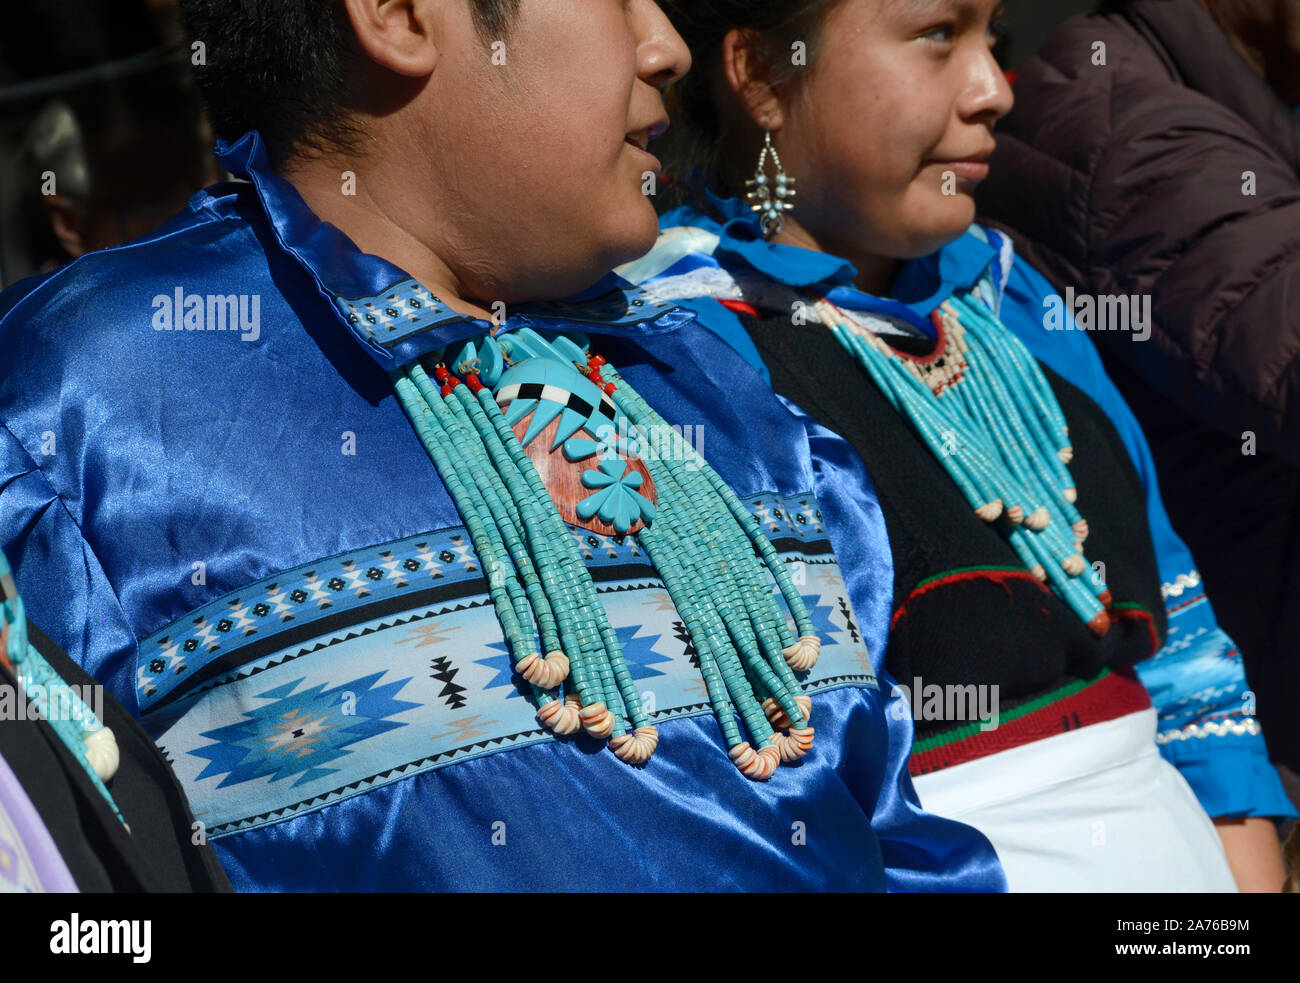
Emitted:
<point x="390" y="314"/>
<point x="741" y="240"/>
<point x="920" y="286"/>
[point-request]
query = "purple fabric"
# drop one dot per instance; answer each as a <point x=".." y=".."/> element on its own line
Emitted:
<point x="29" y="860"/>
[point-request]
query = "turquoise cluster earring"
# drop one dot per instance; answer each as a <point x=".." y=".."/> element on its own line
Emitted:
<point x="704" y="543"/>
<point x="770" y="196"/>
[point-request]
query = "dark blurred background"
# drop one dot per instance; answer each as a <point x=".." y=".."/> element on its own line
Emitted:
<point x="101" y="132"/>
<point x="1031" y="21"/>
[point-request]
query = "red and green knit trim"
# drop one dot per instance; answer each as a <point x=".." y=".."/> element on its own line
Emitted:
<point x="1107" y="696"/>
<point x="997" y="575"/>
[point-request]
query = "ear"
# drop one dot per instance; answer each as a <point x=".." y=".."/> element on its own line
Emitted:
<point x="397" y="34"/>
<point x="748" y="76"/>
<point x="68" y="223"/>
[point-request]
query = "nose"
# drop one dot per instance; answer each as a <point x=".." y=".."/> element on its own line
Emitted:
<point x="662" y="55"/>
<point x="987" y="96"/>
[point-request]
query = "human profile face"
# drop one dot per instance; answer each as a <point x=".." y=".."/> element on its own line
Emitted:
<point x="540" y="140"/>
<point x="890" y="129"/>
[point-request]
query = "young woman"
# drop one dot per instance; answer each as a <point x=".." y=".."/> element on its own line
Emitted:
<point x="1028" y="538"/>
<point x="390" y="568"/>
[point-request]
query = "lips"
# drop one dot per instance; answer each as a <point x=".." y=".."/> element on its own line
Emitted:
<point x="973" y="167"/>
<point x="652" y="163"/>
<point x="641" y="136"/>
<point x="971" y="170"/>
<point x="639" y="140"/>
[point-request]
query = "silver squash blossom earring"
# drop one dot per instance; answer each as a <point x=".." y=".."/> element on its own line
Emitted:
<point x="770" y="196"/>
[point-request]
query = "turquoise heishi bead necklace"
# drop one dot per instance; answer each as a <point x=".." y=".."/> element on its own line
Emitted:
<point x="706" y="546"/>
<point x="53" y="700"/>
<point x="982" y="405"/>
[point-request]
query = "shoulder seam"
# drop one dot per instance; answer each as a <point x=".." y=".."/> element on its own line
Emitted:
<point x="204" y="218"/>
<point x="86" y="547"/>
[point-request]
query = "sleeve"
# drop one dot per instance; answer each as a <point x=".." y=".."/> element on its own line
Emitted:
<point x="1207" y="727"/>
<point x="1202" y="214"/>
<point x="921" y="851"/>
<point x="59" y="576"/>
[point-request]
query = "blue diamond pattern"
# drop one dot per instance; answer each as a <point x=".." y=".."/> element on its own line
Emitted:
<point x="299" y="733"/>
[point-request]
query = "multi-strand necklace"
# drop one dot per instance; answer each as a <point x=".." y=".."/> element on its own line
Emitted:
<point x="52" y="699"/>
<point x="982" y="405"/>
<point x="705" y="544"/>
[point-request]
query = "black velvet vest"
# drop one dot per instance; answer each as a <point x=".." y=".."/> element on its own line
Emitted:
<point x="965" y="609"/>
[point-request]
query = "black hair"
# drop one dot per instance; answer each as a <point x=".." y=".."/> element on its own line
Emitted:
<point x="281" y="67"/>
<point x="707" y="141"/>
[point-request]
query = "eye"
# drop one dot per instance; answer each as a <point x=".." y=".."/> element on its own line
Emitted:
<point x="941" y="33"/>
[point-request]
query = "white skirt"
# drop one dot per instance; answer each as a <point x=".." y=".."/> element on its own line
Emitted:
<point x="1094" y="809"/>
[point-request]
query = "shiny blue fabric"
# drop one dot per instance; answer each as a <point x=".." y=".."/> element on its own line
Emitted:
<point x="1196" y="681"/>
<point x="145" y="473"/>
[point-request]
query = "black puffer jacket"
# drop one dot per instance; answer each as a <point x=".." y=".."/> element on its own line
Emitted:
<point x="1131" y="178"/>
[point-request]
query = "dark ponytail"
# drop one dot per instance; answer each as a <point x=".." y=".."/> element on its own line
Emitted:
<point x="711" y="143"/>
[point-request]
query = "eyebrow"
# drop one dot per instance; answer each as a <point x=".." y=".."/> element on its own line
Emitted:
<point x="920" y="8"/>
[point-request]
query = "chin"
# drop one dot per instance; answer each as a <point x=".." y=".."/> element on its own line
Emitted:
<point x="633" y="234"/>
<point x="961" y="211"/>
<point x="628" y="232"/>
<point x="947" y="222"/>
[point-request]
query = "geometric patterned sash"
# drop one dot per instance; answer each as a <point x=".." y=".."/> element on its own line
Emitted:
<point x="362" y="669"/>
